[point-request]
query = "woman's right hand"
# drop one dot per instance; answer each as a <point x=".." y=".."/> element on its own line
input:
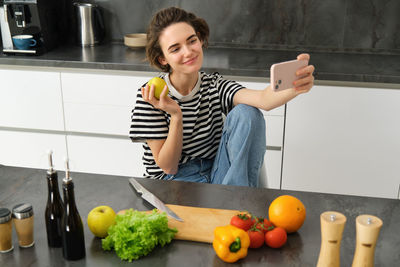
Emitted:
<point x="165" y="103"/>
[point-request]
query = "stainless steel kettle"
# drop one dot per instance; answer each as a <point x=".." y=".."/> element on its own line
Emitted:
<point x="90" y="24"/>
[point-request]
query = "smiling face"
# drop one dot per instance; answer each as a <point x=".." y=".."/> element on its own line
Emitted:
<point x="182" y="49"/>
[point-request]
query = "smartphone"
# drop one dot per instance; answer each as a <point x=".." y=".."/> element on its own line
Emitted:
<point x="284" y="74"/>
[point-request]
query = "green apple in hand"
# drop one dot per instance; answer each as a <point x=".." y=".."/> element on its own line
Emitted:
<point x="99" y="219"/>
<point x="158" y="86"/>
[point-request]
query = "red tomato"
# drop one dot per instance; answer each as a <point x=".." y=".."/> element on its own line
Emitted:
<point x="262" y="224"/>
<point x="256" y="238"/>
<point x="242" y="221"/>
<point x="267" y="225"/>
<point x="276" y="238"/>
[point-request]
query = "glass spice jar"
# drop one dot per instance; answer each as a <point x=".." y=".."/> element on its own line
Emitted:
<point x="23" y="222"/>
<point x="5" y="230"/>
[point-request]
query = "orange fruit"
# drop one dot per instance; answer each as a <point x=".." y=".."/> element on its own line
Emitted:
<point x="287" y="212"/>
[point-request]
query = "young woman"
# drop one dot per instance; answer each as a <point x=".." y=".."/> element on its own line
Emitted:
<point x="184" y="132"/>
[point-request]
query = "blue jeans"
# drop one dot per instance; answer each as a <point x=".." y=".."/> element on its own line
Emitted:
<point x="240" y="154"/>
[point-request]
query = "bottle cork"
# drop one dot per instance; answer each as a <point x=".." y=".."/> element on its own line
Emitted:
<point x="332" y="225"/>
<point x="367" y="233"/>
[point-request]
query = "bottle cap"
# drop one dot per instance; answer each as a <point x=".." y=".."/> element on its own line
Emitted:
<point x="22" y="211"/>
<point x="67" y="179"/>
<point x="5" y="215"/>
<point x="51" y="167"/>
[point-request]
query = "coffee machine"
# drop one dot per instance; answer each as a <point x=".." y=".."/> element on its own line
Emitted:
<point x="45" y="20"/>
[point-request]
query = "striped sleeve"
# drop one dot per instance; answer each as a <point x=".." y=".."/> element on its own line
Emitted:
<point x="147" y="122"/>
<point x="226" y="91"/>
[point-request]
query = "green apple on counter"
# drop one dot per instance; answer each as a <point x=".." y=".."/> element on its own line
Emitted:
<point x="100" y="219"/>
<point x="159" y="85"/>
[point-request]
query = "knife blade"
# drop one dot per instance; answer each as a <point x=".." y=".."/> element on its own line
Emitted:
<point x="152" y="199"/>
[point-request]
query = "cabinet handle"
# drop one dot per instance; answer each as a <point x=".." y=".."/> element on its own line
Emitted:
<point x="398" y="193"/>
<point x="275" y="148"/>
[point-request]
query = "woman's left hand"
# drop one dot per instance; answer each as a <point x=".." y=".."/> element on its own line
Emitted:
<point x="305" y="74"/>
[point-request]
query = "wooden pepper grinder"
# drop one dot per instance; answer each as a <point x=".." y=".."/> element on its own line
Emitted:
<point x="367" y="231"/>
<point x="332" y="225"/>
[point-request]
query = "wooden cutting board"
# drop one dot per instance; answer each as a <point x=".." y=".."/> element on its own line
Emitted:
<point x="198" y="223"/>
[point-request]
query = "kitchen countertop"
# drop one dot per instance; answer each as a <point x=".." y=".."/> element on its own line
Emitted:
<point x="338" y="67"/>
<point x="302" y="249"/>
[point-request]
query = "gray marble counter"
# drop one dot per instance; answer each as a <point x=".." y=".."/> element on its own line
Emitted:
<point x="339" y="67"/>
<point x="302" y="249"/>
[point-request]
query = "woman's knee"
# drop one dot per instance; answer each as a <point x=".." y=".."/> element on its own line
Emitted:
<point x="248" y="115"/>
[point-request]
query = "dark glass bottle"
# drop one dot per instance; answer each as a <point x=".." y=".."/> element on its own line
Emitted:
<point x="54" y="208"/>
<point x="73" y="238"/>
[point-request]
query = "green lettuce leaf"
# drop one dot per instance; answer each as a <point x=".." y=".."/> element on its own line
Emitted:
<point x="136" y="234"/>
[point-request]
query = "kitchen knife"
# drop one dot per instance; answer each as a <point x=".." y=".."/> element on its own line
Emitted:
<point x="152" y="199"/>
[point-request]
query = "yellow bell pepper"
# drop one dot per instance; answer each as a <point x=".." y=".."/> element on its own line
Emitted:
<point x="230" y="243"/>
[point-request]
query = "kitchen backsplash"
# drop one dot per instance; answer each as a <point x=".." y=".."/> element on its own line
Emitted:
<point x="325" y="25"/>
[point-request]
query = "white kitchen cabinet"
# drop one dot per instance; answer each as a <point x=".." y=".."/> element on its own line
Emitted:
<point x="270" y="176"/>
<point x="31" y="118"/>
<point x="274" y="130"/>
<point x="113" y="156"/>
<point x="29" y="149"/>
<point x="31" y="99"/>
<point x="343" y="140"/>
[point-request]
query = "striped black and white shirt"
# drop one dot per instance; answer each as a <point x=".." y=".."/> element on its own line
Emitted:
<point x="202" y="111"/>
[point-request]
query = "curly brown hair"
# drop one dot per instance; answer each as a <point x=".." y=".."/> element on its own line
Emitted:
<point x="161" y="20"/>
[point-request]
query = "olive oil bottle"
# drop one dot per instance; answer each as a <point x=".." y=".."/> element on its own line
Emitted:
<point x="73" y="239"/>
<point x="54" y="208"/>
